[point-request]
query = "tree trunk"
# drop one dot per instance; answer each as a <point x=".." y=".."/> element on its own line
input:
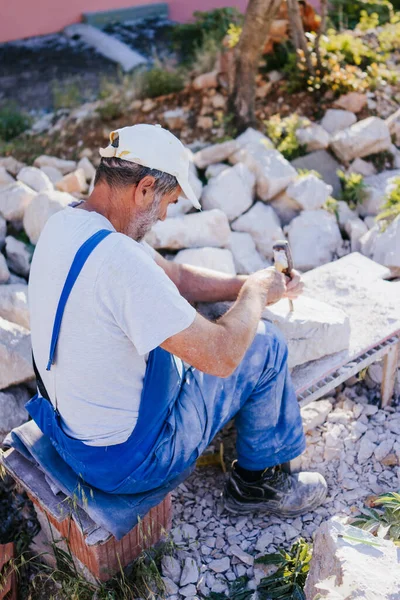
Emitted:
<point x="321" y="31"/>
<point x="297" y="34"/>
<point x="258" y="19"/>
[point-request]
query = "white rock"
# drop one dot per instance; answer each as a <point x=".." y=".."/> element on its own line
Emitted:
<point x="345" y="213"/>
<point x="217" y="259"/>
<point x="52" y="173"/>
<point x="335" y="120"/>
<point x="65" y="166"/>
<point x="36" y="179"/>
<point x="14" y="303"/>
<point x="18" y="256"/>
<point x="208" y="228"/>
<point x="245" y="256"/>
<point x="12" y="409"/>
<point x="4" y="271"/>
<point x="273" y="172"/>
<point x="314" y="237"/>
<point x="366" y="450"/>
<point x="343" y="569"/>
<point x="265" y="540"/>
<point x="190" y="572"/>
<point x="15" y="354"/>
<point x="216" y="169"/>
<point x="220" y="565"/>
<point x="383" y="449"/>
<point x="355" y="229"/>
<point x="74" y="182"/>
<point x="175" y="118"/>
<point x="377" y="186"/>
<point x="170" y="587"/>
<point x="41" y="209"/>
<point x="309" y="192"/>
<point x="262" y="223"/>
<point x="362" y="167"/>
<point x="368" y="136"/>
<point x="230" y="191"/>
<point x="171" y="568"/>
<point x="184" y="205"/>
<point x="87" y="167"/>
<point x="393" y="122"/>
<point x="383" y="246"/>
<point x="215" y="154"/>
<point x="241" y="555"/>
<point x="251" y="136"/>
<point x="314" y="329"/>
<point x="285" y="207"/>
<point x="315" y="413"/>
<point x="14" y="200"/>
<point x="11" y="165"/>
<point x="5" y="177"/>
<point x="313" y="137"/>
<point x="370" y="222"/>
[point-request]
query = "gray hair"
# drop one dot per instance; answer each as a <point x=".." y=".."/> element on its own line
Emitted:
<point x="118" y="173"/>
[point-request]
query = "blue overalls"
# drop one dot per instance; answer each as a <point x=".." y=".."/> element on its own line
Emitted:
<point x="181" y="411"/>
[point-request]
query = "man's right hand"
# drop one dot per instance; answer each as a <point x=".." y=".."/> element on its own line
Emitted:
<point x="269" y="282"/>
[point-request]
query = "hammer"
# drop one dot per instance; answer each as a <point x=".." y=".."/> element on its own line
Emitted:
<point x="283" y="261"/>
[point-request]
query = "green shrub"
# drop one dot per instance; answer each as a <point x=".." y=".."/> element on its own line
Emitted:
<point x="353" y="188"/>
<point x="189" y="37"/>
<point x="346" y="14"/>
<point x="110" y="111"/>
<point x="66" y="95"/>
<point x="13" y="122"/>
<point x="159" y="82"/>
<point x="282" y="132"/>
<point x="383" y="519"/>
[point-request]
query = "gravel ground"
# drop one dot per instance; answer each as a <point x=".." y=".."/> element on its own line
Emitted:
<point x="356" y="449"/>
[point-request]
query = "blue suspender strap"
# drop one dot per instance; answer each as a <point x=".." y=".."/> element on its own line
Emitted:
<point x="80" y="258"/>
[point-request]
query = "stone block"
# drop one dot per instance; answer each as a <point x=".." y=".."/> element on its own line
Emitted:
<point x="14" y="200"/>
<point x="15" y="354"/>
<point x="38" y="212"/>
<point x="368" y="136"/>
<point x="217" y="259"/>
<point x="214" y="154"/>
<point x="314" y="329"/>
<point x="245" y="255"/>
<point x="65" y="166"/>
<point x="263" y="224"/>
<point x="314" y="137"/>
<point x="208" y="228"/>
<point x="335" y="120"/>
<point x="36" y="179"/>
<point x="14" y="303"/>
<point x="324" y="163"/>
<point x="349" y="563"/>
<point x="309" y="192"/>
<point x="231" y="191"/>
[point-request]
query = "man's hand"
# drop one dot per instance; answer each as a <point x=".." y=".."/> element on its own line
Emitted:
<point x="269" y="282"/>
<point x="294" y="286"/>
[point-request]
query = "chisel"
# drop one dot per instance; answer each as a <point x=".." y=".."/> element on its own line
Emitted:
<point x="283" y="261"/>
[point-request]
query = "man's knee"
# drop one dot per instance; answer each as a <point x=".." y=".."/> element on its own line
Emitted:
<point x="270" y="340"/>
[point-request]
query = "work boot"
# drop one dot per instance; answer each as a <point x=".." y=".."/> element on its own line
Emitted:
<point x="277" y="492"/>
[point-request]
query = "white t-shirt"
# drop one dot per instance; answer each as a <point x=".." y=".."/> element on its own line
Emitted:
<point x="121" y="307"/>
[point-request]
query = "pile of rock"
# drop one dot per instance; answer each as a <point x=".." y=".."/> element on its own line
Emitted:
<point x="29" y="195"/>
<point x="349" y="440"/>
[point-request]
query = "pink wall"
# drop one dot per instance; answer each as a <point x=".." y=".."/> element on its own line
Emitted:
<point x="26" y="18"/>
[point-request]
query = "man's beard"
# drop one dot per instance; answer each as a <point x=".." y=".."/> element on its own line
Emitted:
<point x="142" y="224"/>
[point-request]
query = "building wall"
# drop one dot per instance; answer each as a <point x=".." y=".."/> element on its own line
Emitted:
<point x="26" y="18"/>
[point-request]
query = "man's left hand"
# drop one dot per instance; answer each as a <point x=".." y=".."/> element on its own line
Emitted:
<point x="294" y="286"/>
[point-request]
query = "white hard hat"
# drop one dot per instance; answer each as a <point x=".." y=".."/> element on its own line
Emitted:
<point x="155" y="148"/>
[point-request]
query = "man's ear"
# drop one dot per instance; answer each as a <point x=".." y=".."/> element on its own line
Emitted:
<point x="144" y="192"/>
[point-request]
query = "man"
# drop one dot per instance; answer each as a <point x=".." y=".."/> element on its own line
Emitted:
<point x="118" y="399"/>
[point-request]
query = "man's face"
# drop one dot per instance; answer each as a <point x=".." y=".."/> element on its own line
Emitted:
<point x="155" y="210"/>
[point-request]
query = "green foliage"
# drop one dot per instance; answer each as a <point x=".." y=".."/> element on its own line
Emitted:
<point x="205" y="55"/>
<point x="353" y="188"/>
<point x="345" y="14"/>
<point x="332" y="206"/>
<point x="189" y="37"/>
<point x="368" y="21"/>
<point x="390" y="209"/>
<point x="304" y="172"/>
<point x="389" y="36"/>
<point x="383" y="520"/>
<point x="110" y="110"/>
<point x="66" y="95"/>
<point x="348" y="48"/>
<point x="13" y="122"/>
<point x="287" y="583"/>
<point x="282" y="132"/>
<point x="159" y="82"/>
